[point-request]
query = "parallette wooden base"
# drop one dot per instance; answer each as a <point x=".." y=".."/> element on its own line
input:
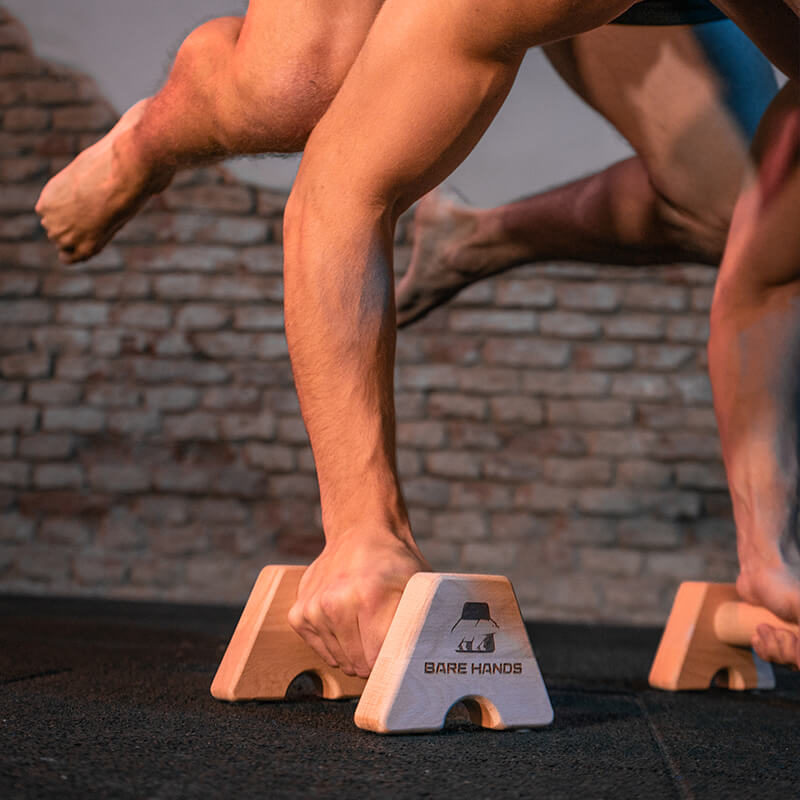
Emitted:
<point x="709" y="631"/>
<point x="455" y="638"/>
<point x="265" y="655"/>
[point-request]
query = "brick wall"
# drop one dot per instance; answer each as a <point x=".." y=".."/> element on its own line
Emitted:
<point x="555" y="424"/>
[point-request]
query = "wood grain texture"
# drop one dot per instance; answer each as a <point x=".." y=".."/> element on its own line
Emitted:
<point x="708" y="631"/>
<point x="265" y="655"/>
<point x="455" y="638"/>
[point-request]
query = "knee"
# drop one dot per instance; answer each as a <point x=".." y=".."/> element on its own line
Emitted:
<point x="261" y="101"/>
<point x="206" y="48"/>
<point x="202" y="69"/>
<point x="286" y="96"/>
<point x="307" y="217"/>
<point x="698" y="224"/>
<point x="294" y="213"/>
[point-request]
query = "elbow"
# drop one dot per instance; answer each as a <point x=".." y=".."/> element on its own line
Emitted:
<point x="337" y="254"/>
<point x="333" y="217"/>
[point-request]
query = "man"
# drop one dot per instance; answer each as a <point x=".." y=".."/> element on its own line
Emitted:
<point x="239" y="85"/>
<point x="236" y="87"/>
<point x="402" y="120"/>
<point x="752" y="319"/>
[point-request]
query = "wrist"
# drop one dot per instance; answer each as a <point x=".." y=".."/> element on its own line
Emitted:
<point x="364" y="491"/>
<point x="369" y="526"/>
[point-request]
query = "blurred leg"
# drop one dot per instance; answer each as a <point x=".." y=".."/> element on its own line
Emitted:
<point x="686" y="98"/>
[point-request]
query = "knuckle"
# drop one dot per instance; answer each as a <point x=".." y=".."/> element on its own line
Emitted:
<point x="330" y="605"/>
<point x="296" y="617"/>
<point x="313" y="612"/>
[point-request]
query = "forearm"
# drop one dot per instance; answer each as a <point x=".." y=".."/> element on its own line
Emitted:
<point x="755" y="399"/>
<point x="424" y="87"/>
<point x="756" y="403"/>
<point x="754" y="347"/>
<point x="382" y="139"/>
<point x="340" y="325"/>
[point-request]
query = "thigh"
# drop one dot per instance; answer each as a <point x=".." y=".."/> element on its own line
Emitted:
<point x="686" y="98"/>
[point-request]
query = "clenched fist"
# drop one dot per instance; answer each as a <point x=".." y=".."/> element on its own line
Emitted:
<point x="348" y="596"/>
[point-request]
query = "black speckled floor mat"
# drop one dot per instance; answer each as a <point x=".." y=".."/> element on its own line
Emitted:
<point x="103" y="700"/>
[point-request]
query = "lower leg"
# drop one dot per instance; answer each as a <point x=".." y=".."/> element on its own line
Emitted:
<point x="614" y="217"/>
<point x="237" y="86"/>
<point x="661" y="89"/>
<point x="88" y="201"/>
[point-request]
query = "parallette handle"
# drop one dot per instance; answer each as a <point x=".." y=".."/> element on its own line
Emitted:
<point x="735" y="622"/>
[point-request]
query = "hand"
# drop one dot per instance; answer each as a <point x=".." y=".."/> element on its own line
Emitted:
<point x="347" y="597"/>
<point x="778" y="590"/>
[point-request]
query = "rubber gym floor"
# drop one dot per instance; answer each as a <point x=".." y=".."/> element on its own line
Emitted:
<point x="108" y="699"/>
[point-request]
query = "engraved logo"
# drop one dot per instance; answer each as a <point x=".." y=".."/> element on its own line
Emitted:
<point x="481" y="640"/>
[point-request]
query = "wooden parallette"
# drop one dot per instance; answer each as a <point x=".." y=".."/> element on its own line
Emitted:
<point x="454" y="638"/>
<point x="265" y="655"/>
<point x="709" y="630"/>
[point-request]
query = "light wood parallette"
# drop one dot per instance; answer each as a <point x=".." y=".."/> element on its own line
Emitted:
<point x="455" y="638"/>
<point x="265" y="655"/>
<point x="708" y="631"/>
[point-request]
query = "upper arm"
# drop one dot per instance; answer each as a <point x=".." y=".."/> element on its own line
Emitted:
<point x="428" y="81"/>
<point x="412" y="106"/>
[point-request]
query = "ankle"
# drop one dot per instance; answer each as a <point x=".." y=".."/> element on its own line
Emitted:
<point x="479" y="249"/>
<point x="487" y="228"/>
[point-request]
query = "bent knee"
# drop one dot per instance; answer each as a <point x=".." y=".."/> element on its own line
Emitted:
<point x="290" y="82"/>
<point x="698" y="220"/>
<point x="209" y="46"/>
<point x="697" y="181"/>
<point x="700" y="232"/>
<point x="286" y="99"/>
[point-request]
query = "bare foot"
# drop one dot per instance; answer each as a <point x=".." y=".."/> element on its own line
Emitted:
<point x="775" y="587"/>
<point x="86" y="203"/>
<point x="444" y="260"/>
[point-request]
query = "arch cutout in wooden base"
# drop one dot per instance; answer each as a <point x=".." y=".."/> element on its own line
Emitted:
<point x="455" y="638"/>
<point x="709" y="631"/>
<point x="265" y="655"/>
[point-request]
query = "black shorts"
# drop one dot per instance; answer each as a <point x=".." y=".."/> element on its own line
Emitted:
<point x="670" y="12"/>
